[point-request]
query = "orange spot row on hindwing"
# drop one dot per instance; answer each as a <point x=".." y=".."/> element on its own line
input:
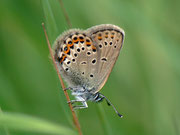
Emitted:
<point x="93" y="48"/>
<point x="99" y="38"/>
<point x="63" y="58"/>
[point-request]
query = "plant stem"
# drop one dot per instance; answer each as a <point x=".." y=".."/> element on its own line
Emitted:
<point x="65" y="14"/>
<point x="76" y="122"/>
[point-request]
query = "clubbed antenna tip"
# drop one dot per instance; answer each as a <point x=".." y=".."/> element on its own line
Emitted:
<point x="120" y="115"/>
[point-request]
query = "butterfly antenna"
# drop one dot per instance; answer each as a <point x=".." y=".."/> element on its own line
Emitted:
<point x="109" y="103"/>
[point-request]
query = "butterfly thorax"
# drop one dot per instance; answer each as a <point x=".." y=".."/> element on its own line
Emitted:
<point x="84" y="93"/>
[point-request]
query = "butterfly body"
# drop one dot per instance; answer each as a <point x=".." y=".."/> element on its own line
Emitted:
<point x="85" y="59"/>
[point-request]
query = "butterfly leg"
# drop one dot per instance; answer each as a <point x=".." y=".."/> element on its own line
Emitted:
<point x="81" y="100"/>
<point x="74" y="101"/>
<point x="78" y="106"/>
<point x="68" y="88"/>
<point x="74" y="89"/>
<point x="81" y="106"/>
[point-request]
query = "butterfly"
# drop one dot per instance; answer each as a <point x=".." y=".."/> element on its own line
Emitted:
<point x="85" y="59"/>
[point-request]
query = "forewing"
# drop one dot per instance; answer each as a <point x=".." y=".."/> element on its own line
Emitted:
<point x="108" y="39"/>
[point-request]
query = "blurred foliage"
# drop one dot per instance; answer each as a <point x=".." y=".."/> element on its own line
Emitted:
<point x="144" y="84"/>
<point x="26" y="123"/>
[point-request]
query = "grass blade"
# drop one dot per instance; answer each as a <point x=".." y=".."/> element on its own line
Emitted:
<point x="104" y="121"/>
<point x="32" y="124"/>
<point x="4" y="127"/>
<point x="52" y="11"/>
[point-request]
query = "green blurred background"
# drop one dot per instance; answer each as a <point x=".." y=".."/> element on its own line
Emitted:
<point x="144" y="84"/>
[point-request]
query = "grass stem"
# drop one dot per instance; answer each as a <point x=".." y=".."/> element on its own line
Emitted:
<point x="76" y="122"/>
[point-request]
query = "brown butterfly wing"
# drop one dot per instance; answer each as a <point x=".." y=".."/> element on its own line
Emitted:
<point x="76" y="57"/>
<point x="108" y="39"/>
<point x="86" y="58"/>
